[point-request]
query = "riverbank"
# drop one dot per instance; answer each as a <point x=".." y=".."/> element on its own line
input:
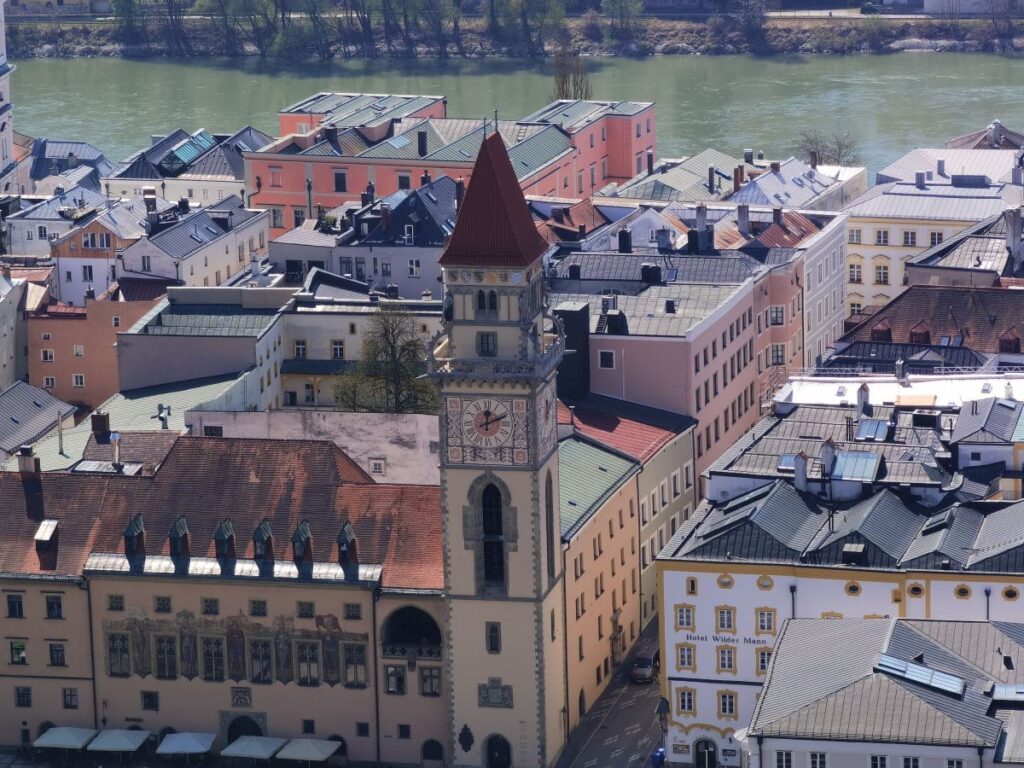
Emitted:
<point x="715" y="36"/>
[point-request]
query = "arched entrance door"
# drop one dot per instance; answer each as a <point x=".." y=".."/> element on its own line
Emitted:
<point x="499" y="752"/>
<point x="243" y="726"/>
<point x="705" y="754"/>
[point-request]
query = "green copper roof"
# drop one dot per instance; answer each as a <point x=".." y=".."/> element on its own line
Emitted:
<point x="588" y="475"/>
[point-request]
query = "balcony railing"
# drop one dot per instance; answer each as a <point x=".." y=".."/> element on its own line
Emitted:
<point x="427" y="651"/>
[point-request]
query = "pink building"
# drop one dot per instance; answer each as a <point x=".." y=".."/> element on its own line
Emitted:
<point x="337" y="145"/>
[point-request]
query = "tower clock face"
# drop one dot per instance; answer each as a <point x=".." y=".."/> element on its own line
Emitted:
<point x="487" y="423"/>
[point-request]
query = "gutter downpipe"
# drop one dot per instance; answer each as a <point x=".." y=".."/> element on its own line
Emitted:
<point x="988" y="594"/>
<point x="84" y="584"/>
<point x="760" y="740"/>
<point x="376" y="675"/>
<point x="792" y="601"/>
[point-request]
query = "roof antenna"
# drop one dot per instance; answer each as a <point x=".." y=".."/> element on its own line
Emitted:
<point x="485" y="129"/>
<point x="495" y="118"/>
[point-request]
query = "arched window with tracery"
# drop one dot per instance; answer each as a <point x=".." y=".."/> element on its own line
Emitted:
<point x="494" y="538"/>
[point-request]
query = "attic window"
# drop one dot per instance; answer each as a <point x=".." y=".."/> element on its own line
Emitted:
<point x="1009" y="342"/>
<point x="920" y="334"/>
<point x="881" y="331"/>
<point x="787" y="463"/>
<point x="46" y="534"/>
<point x="224" y="540"/>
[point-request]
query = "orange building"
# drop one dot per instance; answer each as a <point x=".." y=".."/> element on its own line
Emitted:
<point x="334" y="152"/>
<point x="71" y="350"/>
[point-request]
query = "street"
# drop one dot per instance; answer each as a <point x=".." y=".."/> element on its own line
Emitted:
<point x="621" y="729"/>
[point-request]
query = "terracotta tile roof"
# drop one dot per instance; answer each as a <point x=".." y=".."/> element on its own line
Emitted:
<point x="636" y="431"/>
<point x="132" y="289"/>
<point x="146" y="448"/>
<point x="59" y="309"/>
<point x="978" y="315"/>
<point x="37" y="275"/>
<point x="209" y="479"/>
<point x="584" y="213"/>
<point x="494" y="227"/>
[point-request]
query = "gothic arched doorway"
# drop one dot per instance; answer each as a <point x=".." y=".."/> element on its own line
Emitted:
<point x="499" y="752"/>
<point x="705" y="754"/>
<point x="243" y="725"/>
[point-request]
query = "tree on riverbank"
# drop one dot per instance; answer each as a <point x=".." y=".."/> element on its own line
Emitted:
<point x="839" y="148"/>
<point x="571" y="78"/>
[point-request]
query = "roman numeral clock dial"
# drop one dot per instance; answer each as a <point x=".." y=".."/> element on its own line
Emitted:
<point x="488" y="430"/>
<point x="486" y="423"/>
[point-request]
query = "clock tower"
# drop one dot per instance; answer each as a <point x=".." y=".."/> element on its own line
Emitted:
<point x="495" y="363"/>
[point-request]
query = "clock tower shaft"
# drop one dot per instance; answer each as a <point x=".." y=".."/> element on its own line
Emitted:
<point x="495" y="364"/>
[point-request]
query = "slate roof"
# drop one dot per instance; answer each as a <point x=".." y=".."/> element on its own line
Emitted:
<point x="27" y="413"/>
<point x="978" y="315"/>
<point x="435" y="201"/>
<point x="576" y="113"/>
<point x="813" y="692"/>
<point x="79" y="199"/>
<point x="991" y="420"/>
<point x="635" y="430"/>
<point x="733" y="267"/>
<point x="980" y="247"/>
<point x="352" y="109"/>
<point x="687" y="181"/>
<point x="645" y="312"/>
<point x="283" y="482"/>
<point x="327" y="285"/>
<point x="197" y="230"/>
<point x="794" y="185"/>
<point x="995" y="165"/>
<point x="225" y="160"/>
<point x="50" y="157"/>
<point x="588" y="475"/>
<point x="199" y="155"/>
<point x="494" y="227"/>
<point x="934" y="202"/>
<point x="177" y="319"/>
<point x="994" y="136"/>
<point x="881" y="357"/>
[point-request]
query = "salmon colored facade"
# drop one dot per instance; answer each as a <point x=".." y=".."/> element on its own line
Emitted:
<point x="607" y="148"/>
<point x="65" y="343"/>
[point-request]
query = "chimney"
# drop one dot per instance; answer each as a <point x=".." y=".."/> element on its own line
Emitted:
<point x="100" y="425"/>
<point x="1008" y="391"/>
<point x="385" y="217"/>
<point x="760" y="154"/>
<point x="421" y="142"/>
<point x="59" y="190"/>
<point x="557" y="215"/>
<point x="115" y="443"/>
<point x="670" y="306"/>
<point x="995" y="133"/>
<point x="425" y="179"/>
<point x="737" y="178"/>
<point x="582" y="231"/>
<point x="254" y="267"/>
<point x="800" y="471"/>
<point x="748" y="156"/>
<point x="5" y="271"/>
<point x="149" y="199"/>
<point x="348" y="551"/>
<point x="625" y="241"/>
<point x="650" y="162"/>
<point x="777" y="216"/>
<point x="460" y="192"/>
<point x="183" y="206"/>
<point x="712" y="179"/>
<point x="743" y="218"/>
<point x="366" y="198"/>
<point x="940" y="166"/>
<point x="90" y="292"/>
<point x="702" y="217"/>
<point x="863" y="401"/>
<point x="1017" y="176"/>
<point x="814" y="158"/>
<point x="828" y="457"/>
<point x="331" y="134"/>
<point x="919" y="179"/>
<point x="1013" y="234"/>
<point x="28" y="462"/>
<point x="692" y="241"/>
<point x="776" y="166"/>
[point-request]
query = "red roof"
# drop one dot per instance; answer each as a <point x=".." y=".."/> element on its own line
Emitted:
<point x="605" y="422"/>
<point x="37" y="275"/>
<point x="209" y="479"/>
<point x="494" y="227"/>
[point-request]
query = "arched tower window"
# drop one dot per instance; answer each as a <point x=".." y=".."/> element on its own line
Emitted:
<point x="481" y="302"/>
<point x="549" y="502"/>
<point x="494" y="538"/>
<point x="492" y="301"/>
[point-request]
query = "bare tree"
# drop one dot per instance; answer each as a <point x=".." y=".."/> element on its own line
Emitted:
<point x="625" y="16"/>
<point x="839" y="148"/>
<point x="571" y="78"/>
<point x="388" y="376"/>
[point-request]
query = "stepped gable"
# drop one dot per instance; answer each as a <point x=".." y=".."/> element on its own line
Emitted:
<point x="494" y="227"/>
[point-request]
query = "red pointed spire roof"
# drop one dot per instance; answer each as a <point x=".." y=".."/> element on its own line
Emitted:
<point x="494" y="227"/>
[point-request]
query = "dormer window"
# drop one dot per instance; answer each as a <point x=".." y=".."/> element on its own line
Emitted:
<point x="263" y="542"/>
<point x="348" y="554"/>
<point x="302" y="544"/>
<point x="920" y="334"/>
<point x="224" y="541"/>
<point x="179" y="543"/>
<point x="1009" y="342"/>
<point x="881" y="331"/>
<point x="135" y="538"/>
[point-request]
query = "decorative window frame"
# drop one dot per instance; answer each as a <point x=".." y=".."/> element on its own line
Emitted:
<point x="757" y="621"/>
<point x="731" y="609"/>
<point x="692" y="711"/>
<point x="853" y="588"/>
<point x="1014" y="590"/>
<point x="758" y="652"/>
<point x="725" y="581"/>
<point x="916" y="590"/>
<point x="693" y="617"/>
<point x="720" y="696"/>
<point x="765" y="582"/>
<point x="718" y="660"/>
<point x="962" y="588"/>
<point x="692" y="667"/>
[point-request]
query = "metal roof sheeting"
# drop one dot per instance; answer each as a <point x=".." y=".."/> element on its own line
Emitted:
<point x="588" y="475"/>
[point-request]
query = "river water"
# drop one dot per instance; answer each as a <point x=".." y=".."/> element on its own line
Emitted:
<point x="890" y="103"/>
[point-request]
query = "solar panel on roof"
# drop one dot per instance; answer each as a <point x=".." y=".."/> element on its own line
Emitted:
<point x="1005" y="692"/>
<point x="787" y="463"/>
<point x="875" y="430"/>
<point x="859" y="466"/>
<point x="919" y="673"/>
<point x="399" y="141"/>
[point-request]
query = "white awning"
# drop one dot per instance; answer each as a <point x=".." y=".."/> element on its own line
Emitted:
<point x="186" y="744"/>
<point x="310" y="750"/>
<point x="118" y="740"/>
<point x="254" y="747"/>
<point x="65" y="737"/>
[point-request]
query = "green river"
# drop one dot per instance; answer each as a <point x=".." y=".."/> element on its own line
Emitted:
<point x="890" y="103"/>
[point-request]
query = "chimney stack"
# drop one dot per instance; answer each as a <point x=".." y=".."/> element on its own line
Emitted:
<point x="777" y="216"/>
<point x="814" y="158"/>
<point x="115" y="443"/>
<point x="28" y="462"/>
<point x="5" y="271"/>
<point x="460" y="192"/>
<point x="919" y="179"/>
<point x="425" y="179"/>
<point x="800" y="471"/>
<point x="995" y="133"/>
<point x="940" y="166"/>
<point x="650" y="162"/>
<point x="748" y="156"/>
<point x="1017" y="176"/>
<point x="625" y="241"/>
<point x="863" y="400"/>
<point x="1013" y="233"/>
<point x="421" y="142"/>
<point x="828" y="457"/>
<point x="385" y="217"/>
<point x="743" y="218"/>
<point x="702" y="217"/>
<point x="100" y="425"/>
<point x="776" y="166"/>
<point x="331" y="133"/>
<point x="183" y="206"/>
<point x="712" y="179"/>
